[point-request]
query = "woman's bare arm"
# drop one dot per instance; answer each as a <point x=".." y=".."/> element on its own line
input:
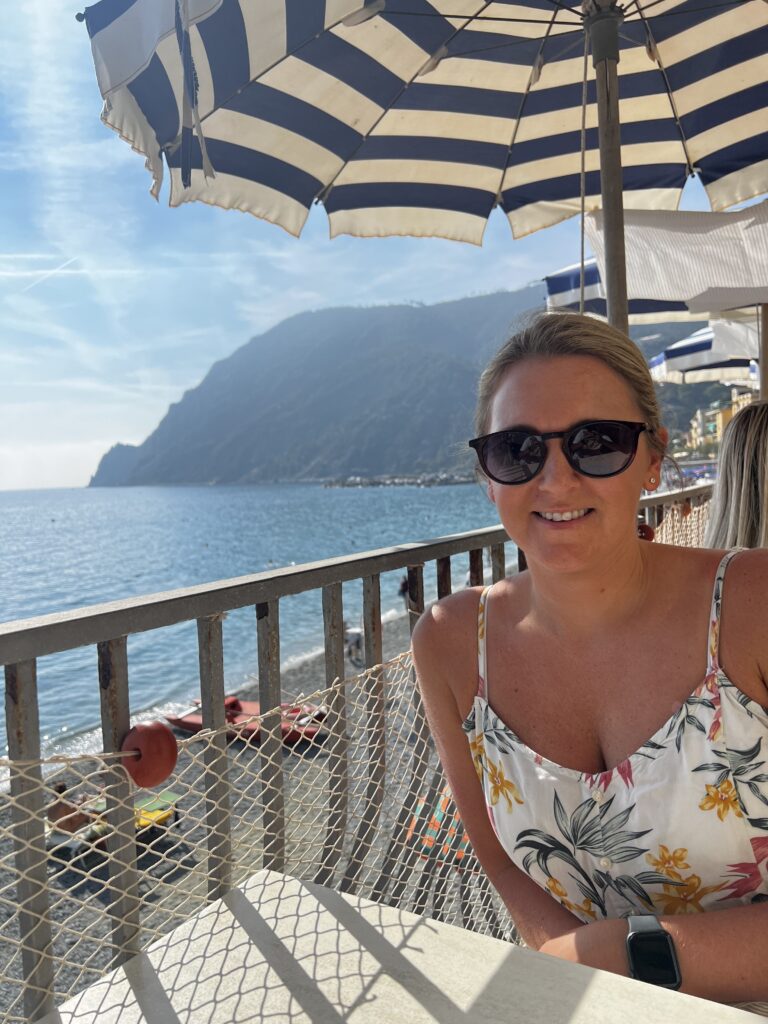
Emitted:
<point x="445" y="655"/>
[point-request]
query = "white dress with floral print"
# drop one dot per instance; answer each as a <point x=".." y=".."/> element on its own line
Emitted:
<point x="680" y="826"/>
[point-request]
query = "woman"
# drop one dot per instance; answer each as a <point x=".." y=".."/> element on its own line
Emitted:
<point x="738" y="511"/>
<point x="543" y="690"/>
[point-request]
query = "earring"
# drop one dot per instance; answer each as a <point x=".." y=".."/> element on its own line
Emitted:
<point x="653" y="479"/>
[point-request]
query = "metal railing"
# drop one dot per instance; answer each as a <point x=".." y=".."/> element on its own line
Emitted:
<point x="107" y="626"/>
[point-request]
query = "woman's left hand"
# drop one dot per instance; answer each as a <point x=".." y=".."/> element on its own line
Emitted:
<point x="601" y="944"/>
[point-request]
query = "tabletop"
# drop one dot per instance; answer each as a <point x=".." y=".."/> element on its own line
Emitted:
<point x="283" y="951"/>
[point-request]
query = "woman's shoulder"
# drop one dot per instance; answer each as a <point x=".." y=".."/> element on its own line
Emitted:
<point x="448" y="623"/>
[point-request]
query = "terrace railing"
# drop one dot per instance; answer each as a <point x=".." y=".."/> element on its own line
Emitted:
<point x="362" y="806"/>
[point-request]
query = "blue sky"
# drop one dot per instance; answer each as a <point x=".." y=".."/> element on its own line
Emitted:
<point x="112" y="305"/>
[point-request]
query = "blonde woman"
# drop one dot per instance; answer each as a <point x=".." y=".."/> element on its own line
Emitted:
<point x="601" y="717"/>
<point x="738" y="510"/>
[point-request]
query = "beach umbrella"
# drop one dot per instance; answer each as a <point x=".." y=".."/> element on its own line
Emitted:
<point x="712" y="261"/>
<point x="726" y="351"/>
<point x="564" y="292"/>
<point x="420" y="117"/>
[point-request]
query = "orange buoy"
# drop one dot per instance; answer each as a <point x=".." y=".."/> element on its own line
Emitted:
<point x="155" y="752"/>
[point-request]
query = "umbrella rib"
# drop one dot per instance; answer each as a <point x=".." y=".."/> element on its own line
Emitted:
<point x="521" y="108"/>
<point x="325" y="191"/>
<point x="667" y="86"/>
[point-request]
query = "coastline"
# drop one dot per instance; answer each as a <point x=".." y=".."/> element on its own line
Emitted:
<point x="305" y="676"/>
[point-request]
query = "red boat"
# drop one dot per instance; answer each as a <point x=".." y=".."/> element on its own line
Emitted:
<point x="297" y="721"/>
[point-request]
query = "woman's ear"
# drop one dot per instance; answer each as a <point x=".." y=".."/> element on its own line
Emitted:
<point x="490" y="491"/>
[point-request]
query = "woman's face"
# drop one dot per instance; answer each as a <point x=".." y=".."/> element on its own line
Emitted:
<point x="553" y="394"/>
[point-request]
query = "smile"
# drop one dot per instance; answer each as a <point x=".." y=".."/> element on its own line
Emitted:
<point x="564" y="517"/>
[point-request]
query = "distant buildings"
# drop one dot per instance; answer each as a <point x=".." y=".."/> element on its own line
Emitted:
<point x="708" y="424"/>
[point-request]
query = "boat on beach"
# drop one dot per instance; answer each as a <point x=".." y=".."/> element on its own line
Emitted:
<point x="297" y="721"/>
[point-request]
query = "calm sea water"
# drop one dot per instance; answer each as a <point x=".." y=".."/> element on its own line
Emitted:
<point x="65" y="549"/>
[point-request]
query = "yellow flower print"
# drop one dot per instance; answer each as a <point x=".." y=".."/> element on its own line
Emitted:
<point x="501" y="786"/>
<point x="685" y="898"/>
<point x="477" y="750"/>
<point x="722" y="798"/>
<point x="559" y="892"/>
<point x="481" y="619"/>
<point x="669" y="862"/>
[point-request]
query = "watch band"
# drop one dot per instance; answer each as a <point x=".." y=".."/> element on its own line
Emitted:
<point x="644" y="923"/>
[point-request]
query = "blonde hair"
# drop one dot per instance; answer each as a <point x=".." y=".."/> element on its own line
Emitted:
<point x="738" y="509"/>
<point x="570" y="334"/>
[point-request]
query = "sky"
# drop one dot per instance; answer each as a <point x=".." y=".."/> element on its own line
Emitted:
<point x="113" y="305"/>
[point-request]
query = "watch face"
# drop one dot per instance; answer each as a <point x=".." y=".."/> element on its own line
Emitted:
<point x="653" y="959"/>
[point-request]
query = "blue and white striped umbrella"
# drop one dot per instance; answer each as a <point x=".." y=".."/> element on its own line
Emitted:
<point x="725" y="351"/>
<point x="419" y="117"/>
<point x="564" y="292"/>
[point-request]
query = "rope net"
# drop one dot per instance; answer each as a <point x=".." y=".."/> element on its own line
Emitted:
<point x="365" y="810"/>
<point x="354" y="799"/>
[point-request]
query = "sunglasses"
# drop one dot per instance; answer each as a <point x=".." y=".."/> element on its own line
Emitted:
<point x="598" y="448"/>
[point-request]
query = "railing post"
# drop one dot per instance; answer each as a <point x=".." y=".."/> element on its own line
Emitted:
<point x="270" y="735"/>
<point x="476" y="574"/>
<point x="121" y="837"/>
<point x="444" y="582"/>
<point x="498" y="563"/>
<point x="28" y="817"/>
<point x="218" y="822"/>
<point x="338" y="766"/>
<point x="415" y="595"/>
<point x="375" y="733"/>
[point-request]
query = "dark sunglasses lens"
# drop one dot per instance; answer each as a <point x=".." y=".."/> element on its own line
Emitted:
<point x="602" y="449"/>
<point x="514" y="456"/>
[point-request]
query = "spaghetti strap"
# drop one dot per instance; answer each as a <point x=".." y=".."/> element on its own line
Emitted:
<point x="481" y="630"/>
<point x="713" y="638"/>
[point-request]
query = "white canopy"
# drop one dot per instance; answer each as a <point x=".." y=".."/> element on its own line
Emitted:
<point x="710" y="261"/>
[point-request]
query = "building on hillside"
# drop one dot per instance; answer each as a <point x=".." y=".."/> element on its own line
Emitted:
<point x="708" y="424"/>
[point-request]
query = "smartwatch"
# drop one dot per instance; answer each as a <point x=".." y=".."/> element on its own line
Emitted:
<point x="651" y="952"/>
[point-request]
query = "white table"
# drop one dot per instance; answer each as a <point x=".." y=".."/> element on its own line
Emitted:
<point x="280" y="951"/>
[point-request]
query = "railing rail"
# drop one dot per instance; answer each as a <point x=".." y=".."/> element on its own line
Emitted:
<point x="107" y="625"/>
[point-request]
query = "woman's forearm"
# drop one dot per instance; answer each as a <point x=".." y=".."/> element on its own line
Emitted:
<point x="537" y="916"/>
<point x="723" y="954"/>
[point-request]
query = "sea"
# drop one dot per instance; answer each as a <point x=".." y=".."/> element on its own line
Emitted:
<point x="67" y="549"/>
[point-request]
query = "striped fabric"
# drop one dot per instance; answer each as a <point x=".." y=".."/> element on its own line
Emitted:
<point x="564" y="292"/>
<point x="726" y="351"/>
<point x="423" y="117"/>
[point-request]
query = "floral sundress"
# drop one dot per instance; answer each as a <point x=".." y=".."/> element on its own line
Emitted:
<point x="680" y="826"/>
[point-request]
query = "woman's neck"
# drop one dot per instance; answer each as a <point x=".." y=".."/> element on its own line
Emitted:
<point x="585" y="604"/>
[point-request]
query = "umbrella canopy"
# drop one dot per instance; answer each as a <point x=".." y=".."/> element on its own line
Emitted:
<point x="419" y="118"/>
<point x="726" y="351"/>
<point x="564" y="292"/>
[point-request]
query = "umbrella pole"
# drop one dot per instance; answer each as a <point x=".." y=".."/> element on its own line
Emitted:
<point x="763" y="363"/>
<point x="603" y="27"/>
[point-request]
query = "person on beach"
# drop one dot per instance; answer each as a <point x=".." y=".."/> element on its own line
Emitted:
<point x="738" y="509"/>
<point x="67" y="814"/>
<point x="601" y="717"/>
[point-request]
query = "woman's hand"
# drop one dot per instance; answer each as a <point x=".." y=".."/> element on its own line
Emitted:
<point x="600" y="944"/>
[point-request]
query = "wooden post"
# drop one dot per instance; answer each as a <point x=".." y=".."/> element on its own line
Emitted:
<point x="444" y="582"/>
<point x="476" y="573"/>
<point x="338" y="742"/>
<point x="498" y="563"/>
<point x="28" y="817"/>
<point x="218" y="820"/>
<point x="121" y="837"/>
<point x="415" y="595"/>
<point x="374" y="725"/>
<point x="270" y="736"/>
